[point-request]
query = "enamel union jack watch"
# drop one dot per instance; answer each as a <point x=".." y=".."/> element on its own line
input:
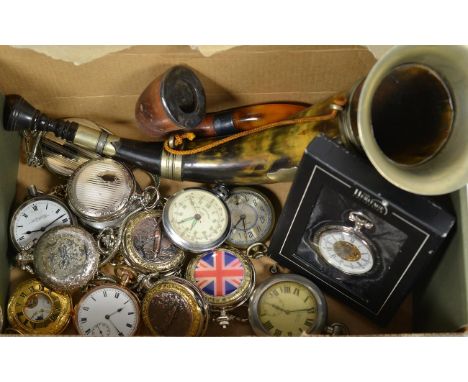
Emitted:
<point x="225" y="277"/>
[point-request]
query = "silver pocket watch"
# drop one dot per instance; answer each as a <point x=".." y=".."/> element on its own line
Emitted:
<point x="38" y="214"/>
<point x="65" y="258"/>
<point x="196" y="219"/>
<point x="347" y="248"/>
<point x="102" y="192"/>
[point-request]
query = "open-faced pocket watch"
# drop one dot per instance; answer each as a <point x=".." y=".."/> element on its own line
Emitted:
<point x="64" y="258"/>
<point x="252" y="217"/>
<point x="196" y="219"/>
<point x="109" y="309"/>
<point x="38" y="214"/>
<point x="147" y="248"/>
<point x="225" y="277"/>
<point x="347" y="248"/>
<point x="102" y="192"/>
<point x="35" y="309"/>
<point x="175" y="307"/>
<point x="287" y="305"/>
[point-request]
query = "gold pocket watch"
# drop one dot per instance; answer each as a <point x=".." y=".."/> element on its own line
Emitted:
<point x="225" y="277"/>
<point x="287" y="305"/>
<point x="102" y="192"/>
<point x="347" y="248"/>
<point x="109" y="309"/>
<point x="146" y="247"/>
<point x="38" y="214"/>
<point x="64" y="259"/>
<point x="196" y="219"/>
<point x="252" y="217"/>
<point x="175" y="307"/>
<point x="35" y="309"/>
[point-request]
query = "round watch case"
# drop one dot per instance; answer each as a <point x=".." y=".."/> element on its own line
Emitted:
<point x="285" y="290"/>
<point x="35" y="309"/>
<point x="66" y="258"/>
<point x="225" y="277"/>
<point x="147" y="248"/>
<point x="175" y="307"/>
<point x="101" y="193"/>
<point x="35" y="216"/>
<point x="252" y="217"/>
<point x="107" y="310"/>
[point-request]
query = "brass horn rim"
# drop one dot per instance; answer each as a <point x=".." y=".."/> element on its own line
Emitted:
<point x="401" y="176"/>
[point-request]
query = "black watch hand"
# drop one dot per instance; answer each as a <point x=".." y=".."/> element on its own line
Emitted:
<point x="245" y="230"/>
<point x="115" y="327"/>
<point x="117" y="311"/>
<point x="42" y="229"/>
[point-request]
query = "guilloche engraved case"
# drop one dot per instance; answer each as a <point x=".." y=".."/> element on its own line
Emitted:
<point x="356" y="235"/>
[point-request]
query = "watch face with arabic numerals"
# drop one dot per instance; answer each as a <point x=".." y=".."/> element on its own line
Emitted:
<point x="196" y="219"/>
<point x="36" y="216"/>
<point x="107" y="310"/>
<point x="252" y="217"/>
<point x="287" y="305"/>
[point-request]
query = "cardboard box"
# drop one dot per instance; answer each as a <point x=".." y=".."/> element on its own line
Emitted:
<point x="106" y="88"/>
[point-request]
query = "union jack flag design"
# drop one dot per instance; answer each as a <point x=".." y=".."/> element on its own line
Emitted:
<point x="219" y="273"/>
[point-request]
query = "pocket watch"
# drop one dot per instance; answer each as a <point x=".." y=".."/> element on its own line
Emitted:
<point x="35" y="216"/>
<point x="35" y="309"/>
<point x="347" y="248"/>
<point x="175" y="307"/>
<point x="102" y="192"/>
<point x="287" y="305"/>
<point x="64" y="258"/>
<point x="108" y="310"/>
<point x="252" y="217"/>
<point x="225" y="277"/>
<point x="147" y="248"/>
<point x="196" y="219"/>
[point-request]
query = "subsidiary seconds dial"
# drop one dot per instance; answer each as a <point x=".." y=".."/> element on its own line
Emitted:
<point x="196" y="219"/>
<point x="36" y="216"/>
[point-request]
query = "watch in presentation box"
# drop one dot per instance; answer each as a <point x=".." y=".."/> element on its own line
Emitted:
<point x="357" y="236"/>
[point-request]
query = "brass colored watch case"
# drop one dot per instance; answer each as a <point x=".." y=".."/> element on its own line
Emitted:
<point x="231" y="300"/>
<point x="54" y="323"/>
<point x="170" y="257"/>
<point x="188" y="295"/>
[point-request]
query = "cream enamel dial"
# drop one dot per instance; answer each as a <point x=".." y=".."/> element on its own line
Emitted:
<point x="107" y="310"/>
<point x="196" y="220"/>
<point x="287" y="305"/>
<point x="252" y="217"/>
<point x="36" y="216"/>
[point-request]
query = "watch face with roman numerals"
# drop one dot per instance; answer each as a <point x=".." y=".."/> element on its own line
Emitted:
<point x="36" y="216"/>
<point x="107" y="310"/>
<point x="287" y="305"/>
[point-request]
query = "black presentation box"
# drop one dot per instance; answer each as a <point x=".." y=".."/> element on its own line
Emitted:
<point x="356" y="235"/>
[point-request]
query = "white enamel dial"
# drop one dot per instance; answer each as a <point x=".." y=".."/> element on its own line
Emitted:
<point x="36" y="216"/>
<point x="107" y="310"/>
<point x="38" y="307"/>
<point x="252" y="217"/>
<point x="196" y="220"/>
<point x="346" y="251"/>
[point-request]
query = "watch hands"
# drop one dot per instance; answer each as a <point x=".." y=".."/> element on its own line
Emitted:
<point x="45" y="227"/>
<point x="186" y="219"/>
<point x="193" y="224"/>
<point x="115" y="327"/>
<point x="300" y="310"/>
<point x="245" y="230"/>
<point x="278" y="307"/>
<point x="117" y="311"/>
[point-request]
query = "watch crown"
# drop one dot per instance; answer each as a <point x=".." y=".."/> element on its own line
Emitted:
<point x="32" y="191"/>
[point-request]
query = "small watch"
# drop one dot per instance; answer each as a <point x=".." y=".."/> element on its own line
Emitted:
<point x="225" y="277"/>
<point x="35" y="309"/>
<point x="252" y="217"/>
<point x="64" y="259"/>
<point x="196" y="219"/>
<point x="347" y="248"/>
<point x="102" y="192"/>
<point x="287" y="305"/>
<point x="35" y="216"/>
<point x="147" y="248"/>
<point x="108" y="310"/>
<point x="175" y="307"/>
